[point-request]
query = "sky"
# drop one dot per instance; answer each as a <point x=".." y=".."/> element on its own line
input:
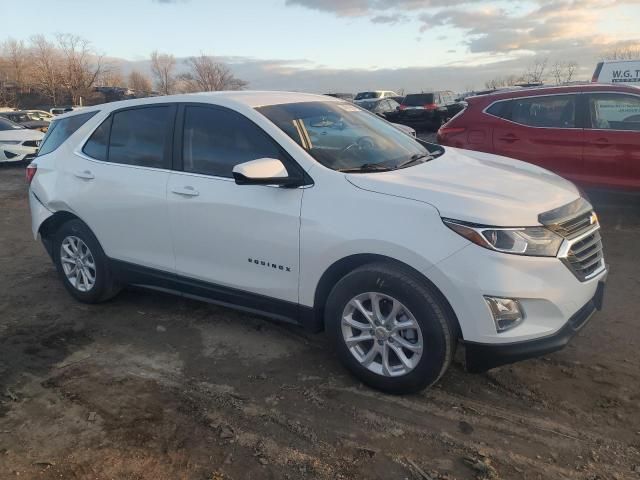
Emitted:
<point x="343" y="45"/>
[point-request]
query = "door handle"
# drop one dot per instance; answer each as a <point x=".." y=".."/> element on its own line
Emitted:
<point x="509" y="138"/>
<point x="602" y="143"/>
<point x="85" y="175"/>
<point x="187" y="191"/>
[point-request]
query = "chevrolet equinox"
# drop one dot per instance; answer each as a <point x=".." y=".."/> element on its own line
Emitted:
<point x="311" y="210"/>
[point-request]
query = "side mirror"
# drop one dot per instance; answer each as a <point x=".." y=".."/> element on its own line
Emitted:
<point x="263" y="171"/>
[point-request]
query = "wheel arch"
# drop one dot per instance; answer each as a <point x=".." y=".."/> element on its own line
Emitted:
<point x="342" y="267"/>
<point x="50" y="226"/>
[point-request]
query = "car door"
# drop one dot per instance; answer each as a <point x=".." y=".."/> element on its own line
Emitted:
<point x="241" y="242"/>
<point x="542" y="130"/>
<point x="118" y="185"/>
<point x="612" y="141"/>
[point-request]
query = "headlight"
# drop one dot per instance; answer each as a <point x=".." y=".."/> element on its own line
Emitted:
<point x="532" y="241"/>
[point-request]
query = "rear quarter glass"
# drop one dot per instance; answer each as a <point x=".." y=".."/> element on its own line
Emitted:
<point x="61" y="129"/>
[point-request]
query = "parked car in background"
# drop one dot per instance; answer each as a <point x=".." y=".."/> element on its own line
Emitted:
<point x="26" y="119"/>
<point x="617" y="71"/>
<point x="343" y="96"/>
<point x="17" y="143"/>
<point x="60" y="110"/>
<point x="398" y="99"/>
<point x="39" y="115"/>
<point x="375" y="94"/>
<point x="387" y="109"/>
<point x="400" y="249"/>
<point x="383" y="107"/>
<point x="428" y="110"/>
<point x="589" y="133"/>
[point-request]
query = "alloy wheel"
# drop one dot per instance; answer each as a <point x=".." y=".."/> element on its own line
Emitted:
<point x="78" y="263"/>
<point x="382" y="334"/>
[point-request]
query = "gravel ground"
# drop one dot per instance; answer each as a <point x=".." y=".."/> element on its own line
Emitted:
<point x="151" y="386"/>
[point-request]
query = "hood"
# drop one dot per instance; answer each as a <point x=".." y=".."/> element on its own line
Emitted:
<point x="476" y="187"/>
<point x="20" y="134"/>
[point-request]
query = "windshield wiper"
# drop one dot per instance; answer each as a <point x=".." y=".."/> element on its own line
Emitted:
<point x="366" y="167"/>
<point x="415" y="158"/>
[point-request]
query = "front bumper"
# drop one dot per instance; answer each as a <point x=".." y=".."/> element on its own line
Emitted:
<point x="480" y="357"/>
<point x="16" y="153"/>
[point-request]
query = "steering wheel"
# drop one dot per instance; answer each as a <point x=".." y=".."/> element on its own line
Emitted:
<point x="363" y="143"/>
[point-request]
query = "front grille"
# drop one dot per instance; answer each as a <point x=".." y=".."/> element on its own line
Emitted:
<point x="31" y="143"/>
<point x="574" y="227"/>
<point x="584" y="254"/>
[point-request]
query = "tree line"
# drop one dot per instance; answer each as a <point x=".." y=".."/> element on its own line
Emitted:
<point x="67" y="69"/>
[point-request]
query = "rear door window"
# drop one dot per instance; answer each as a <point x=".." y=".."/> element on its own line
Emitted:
<point x="614" y="112"/>
<point x="142" y="137"/>
<point x="552" y="111"/>
<point x="61" y="129"/>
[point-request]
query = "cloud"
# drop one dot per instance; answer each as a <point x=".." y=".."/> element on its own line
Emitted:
<point x="390" y="19"/>
<point x="489" y="26"/>
<point x="356" y="8"/>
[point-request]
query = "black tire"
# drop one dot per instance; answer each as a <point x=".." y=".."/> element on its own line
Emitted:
<point x="438" y="329"/>
<point x="104" y="287"/>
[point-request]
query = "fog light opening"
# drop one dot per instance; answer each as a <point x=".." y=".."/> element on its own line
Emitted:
<point x="507" y="312"/>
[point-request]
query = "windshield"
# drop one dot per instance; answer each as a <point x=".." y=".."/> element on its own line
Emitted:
<point x="367" y="95"/>
<point x="418" y="100"/>
<point x="342" y="136"/>
<point x="9" y="125"/>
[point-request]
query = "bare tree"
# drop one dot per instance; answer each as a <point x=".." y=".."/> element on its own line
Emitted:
<point x="16" y="62"/>
<point x="631" y="52"/>
<point x="81" y="65"/>
<point x="45" y="61"/>
<point x="563" y="72"/>
<point x="207" y="75"/>
<point x="139" y="83"/>
<point x="502" y="82"/>
<point x="535" y="72"/>
<point x="110" y="76"/>
<point x="163" y="66"/>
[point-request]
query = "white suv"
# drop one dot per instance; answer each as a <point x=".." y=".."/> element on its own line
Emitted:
<point x="312" y="210"/>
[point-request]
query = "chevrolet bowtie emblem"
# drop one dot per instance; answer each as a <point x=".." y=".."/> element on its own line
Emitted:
<point x="593" y="219"/>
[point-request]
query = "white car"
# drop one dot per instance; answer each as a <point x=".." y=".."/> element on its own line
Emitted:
<point x="17" y="143"/>
<point x="405" y="128"/>
<point x="265" y="201"/>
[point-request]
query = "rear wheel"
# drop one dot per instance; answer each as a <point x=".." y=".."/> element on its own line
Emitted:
<point x="389" y="328"/>
<point x="82" y="264"/>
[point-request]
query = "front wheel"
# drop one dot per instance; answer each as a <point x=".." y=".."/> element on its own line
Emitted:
<point x="389" y="328"/>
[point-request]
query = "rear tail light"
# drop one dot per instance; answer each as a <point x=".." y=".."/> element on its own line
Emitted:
<point x="32" y="168"/>
<point x="402" y="107"/>
<point x="430" y="106"/>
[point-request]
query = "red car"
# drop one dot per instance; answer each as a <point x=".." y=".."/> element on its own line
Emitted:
<point x="589" y="134"/>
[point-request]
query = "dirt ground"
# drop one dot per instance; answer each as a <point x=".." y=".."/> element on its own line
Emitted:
<point x="152" y="386"/>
